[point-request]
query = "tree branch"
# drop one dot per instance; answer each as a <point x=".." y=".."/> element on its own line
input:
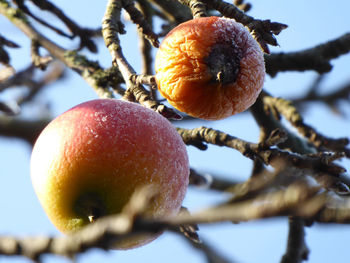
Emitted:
<point x="262" y="30"/>
<point x="197" y="7"/>
<point x="297" y="250"/>
<point x="316" y="58"/>
<point x="198" y="136"/>
<point x="290" y="112"/>
<point x="90" y="71"/>
<point x="110" y="29"/>
<point x="27" y="130"/>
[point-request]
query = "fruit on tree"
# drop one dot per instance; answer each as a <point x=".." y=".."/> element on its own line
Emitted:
<point x="210" y="68"/>
<point x="88" y="162"/>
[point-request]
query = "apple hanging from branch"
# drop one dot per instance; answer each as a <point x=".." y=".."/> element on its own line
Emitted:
<point x="88" y="162"/>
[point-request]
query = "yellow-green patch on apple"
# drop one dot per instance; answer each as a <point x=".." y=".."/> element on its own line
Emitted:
<point x="88" y="162"/>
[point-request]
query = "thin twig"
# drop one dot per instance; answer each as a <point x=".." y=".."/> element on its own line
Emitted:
<point x="83" y="33"/>
<point x="197" y="7"/>
<point x="39" y="61"/>
<point x="110" y="29"/>
<point x="175" y="12"/>
<point x="244" y="6"/>
<point x="90" y="71"/>
<point x="199" y="136"/>
<point x="290" y="112"/>
<point x="4" y="57"/>
<point x="210" y="181"/>
<point x="316" y="58"/>
<point x="297" y="250"/>
<point x="138" y="18"/>
<point x="330" y="99"/>
<point x="27" y="130"/>
<point x="145" y="46"/>
<point x="263" y="31"/>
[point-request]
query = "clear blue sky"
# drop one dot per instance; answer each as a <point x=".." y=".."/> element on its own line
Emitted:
<point x="310" y="22"/>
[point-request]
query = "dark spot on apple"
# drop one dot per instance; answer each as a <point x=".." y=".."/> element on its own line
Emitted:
<point x="90" y="206"/>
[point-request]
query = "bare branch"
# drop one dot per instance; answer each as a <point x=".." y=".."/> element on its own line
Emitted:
<point x="27" y="130"/>
<point x="197" y="6"/>
<point x="142" y="24"/>
<point x="241" y="4"/>
<point x="262" y="30"/>
<point x="26" y="78"/>
<point x="4" y="57"/>
<point x="295" y="173"/>
<point x="297" y="250"/>
<point x="201" y="135"/>
<point x="83" y="33"/>
<point x="316" y="58"/>
<point x="90" y="71"/>
<point x="331" y="99"/>
<point x="110" y="31"/>
<point x="39" y="61"/>
<point x="287" y="109"/>
<point x="175" y="12"/>
<point x="210" y="181"/>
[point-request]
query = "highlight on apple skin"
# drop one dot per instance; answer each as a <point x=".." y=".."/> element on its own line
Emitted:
<point x="88" y="162"/>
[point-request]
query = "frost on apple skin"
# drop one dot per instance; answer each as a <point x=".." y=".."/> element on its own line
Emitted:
<point x="123" y="123"/>
<point x="211" y="60"/>
<point x="252" y="66"/>
<point x="108" y="132"/>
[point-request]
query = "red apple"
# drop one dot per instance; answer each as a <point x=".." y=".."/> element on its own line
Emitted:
<point x="88" y="162"/>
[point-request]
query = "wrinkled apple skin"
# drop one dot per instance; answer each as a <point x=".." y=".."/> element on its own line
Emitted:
<point x="91" y="159"/>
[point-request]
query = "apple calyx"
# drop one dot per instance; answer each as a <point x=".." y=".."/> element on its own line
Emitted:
<point x="224" y="63"/>
<point x="90" y="206"/>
